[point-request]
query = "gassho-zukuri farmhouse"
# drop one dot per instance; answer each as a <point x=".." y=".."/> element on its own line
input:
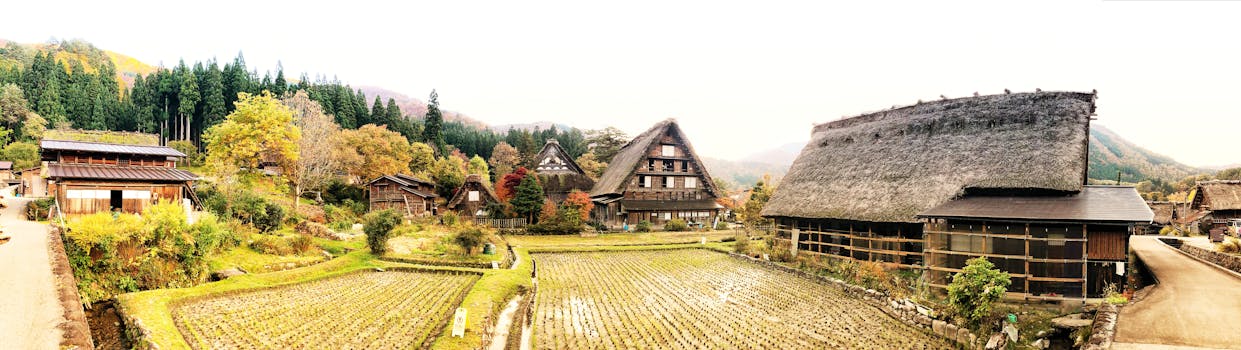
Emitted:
<point x="934" y="184"/>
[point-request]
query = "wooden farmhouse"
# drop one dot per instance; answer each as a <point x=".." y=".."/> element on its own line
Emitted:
<point x="558" y="173"/>
<point x="656" y="177"/>
<point x="32" y="183"/>
<point x="1217" y="202"/>
<point x="407" y="195"/>
<point x="470" y="201"/>
<point x="1165" y="213"/>
<point x="90" y="177"/>
<point x="932" y="185"/>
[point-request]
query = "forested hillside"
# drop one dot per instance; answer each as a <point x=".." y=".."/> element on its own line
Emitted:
<point x="1109" y="154"/>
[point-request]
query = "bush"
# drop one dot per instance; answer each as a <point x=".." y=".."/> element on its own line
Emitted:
<point x="642" y="226"/>
<point x="39" y="209"/>
<point x="450" y="218"/>
<point x="743" y="243"/>
<point x="271" y="245"/>
<point x="721" y="225"/>
<point x="315" y="230"/>
<point x="378" y="228"/>
<point x="563" y="220"/>
<point x="676" y="225"/>
<point x="1230" y="246"/>
<point x="339" y="215"/>
<point x="469" y="239"/>
<point x="211" y="236"/>
<point x="301" y="243"/>
<point x="975" y="289"/>
<point x="338" y="193"/>
<point x="1166" y="231"/>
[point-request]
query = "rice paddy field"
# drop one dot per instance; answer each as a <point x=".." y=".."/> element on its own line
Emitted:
<point x="698" y="299"/>
<point x="367" y="310"/>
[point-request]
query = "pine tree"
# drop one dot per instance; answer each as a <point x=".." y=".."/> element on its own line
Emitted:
<point x="214" y="105"/>
<point x="188" y="98"/>
<point x="280" y="86"/>
<point x="529" y="198"/>
<point x="432" y="125"/>
<point x="378" y="114"/>
<point x="394" y="112"/>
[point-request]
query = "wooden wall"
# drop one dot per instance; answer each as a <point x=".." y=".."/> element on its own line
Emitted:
<point x="387" y="194"/>
<point x="79" y="198"/>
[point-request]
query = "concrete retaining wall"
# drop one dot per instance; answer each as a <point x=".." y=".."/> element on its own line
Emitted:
<point x="75" y="328"/>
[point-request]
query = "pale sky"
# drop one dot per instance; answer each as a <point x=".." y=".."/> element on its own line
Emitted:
<point x="740" y="77"/>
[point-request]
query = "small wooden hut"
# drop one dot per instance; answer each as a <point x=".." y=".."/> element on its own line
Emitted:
<point x="863" y="186"/>
<point x="6" y="171"/>
<point x="656" y="177"/>
<point x="405" y="194"/>
<point x="559" y="173"/>
<point x="470" y="201"/>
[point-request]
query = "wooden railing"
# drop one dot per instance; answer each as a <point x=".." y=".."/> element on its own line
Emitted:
<point x="503" y="223"/>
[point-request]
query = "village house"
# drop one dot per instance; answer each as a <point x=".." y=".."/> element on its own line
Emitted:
<point x="559" y="173"/>
<point x="932" y="185"/>
<point x="1165" y="214"/>
<point x="471" y="200"/>
<point x="32" y="183"/>
<point x="6" y="171"/>
<point x="1217" y="203"/>
<point x="405" y="194"/>
<point x="656" y="177"/>
<point x="90" y="177"/>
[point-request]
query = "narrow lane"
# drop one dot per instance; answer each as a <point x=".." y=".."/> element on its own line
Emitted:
<point x="1193" y="305"/>
<point x="29" y="310"/>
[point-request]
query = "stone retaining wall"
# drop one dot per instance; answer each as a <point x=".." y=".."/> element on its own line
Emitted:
<point x="1225" y="260"/>
<point x="75" y="328"/>
<point x="901" y="309"/>
<point x="133" y="330"/>
<point x="1104" y="328"/>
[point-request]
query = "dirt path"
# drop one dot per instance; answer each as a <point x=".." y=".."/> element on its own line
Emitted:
<point x="29" y="310"/>
<point x="1194" y="304"/>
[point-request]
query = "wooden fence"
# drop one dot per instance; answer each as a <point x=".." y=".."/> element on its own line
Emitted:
<point x="503" y="223"/>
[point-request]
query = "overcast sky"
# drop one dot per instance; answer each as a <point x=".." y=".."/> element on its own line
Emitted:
<point x="740" y="78"/>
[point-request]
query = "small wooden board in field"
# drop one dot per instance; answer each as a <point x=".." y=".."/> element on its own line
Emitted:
<point x="458" y="323"/>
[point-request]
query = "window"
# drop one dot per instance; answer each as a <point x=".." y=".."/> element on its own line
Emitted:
<point x="668" y="216"/>
<point x="667" y="166"/>
<point x="650" y="165"/>
<point x="669" y="151"/>
<point x="1055" y="239"/>
<point x="670" y="182"/>
<point x="473" y="196"/>
<point x="691" y="182"/>
<point x="645" y="181"/>
<point x="684" y="166"/>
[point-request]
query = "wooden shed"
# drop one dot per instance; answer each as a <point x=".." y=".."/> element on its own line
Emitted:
<point x="32" y="183"/>
<point x="862" y="186"/>
<point x="470" y="201"/>
<point x="89" y="177"/>
<point x="6" y="171"/>
<point x="656" y="177"/>
<point x="406" y="194"/>
<point x="559" y="173"/>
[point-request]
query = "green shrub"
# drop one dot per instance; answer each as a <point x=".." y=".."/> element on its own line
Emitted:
<point x="39" y="209"/>
<point x="721" y="226"/>
<point x="743" y="243"/>
<point x="469" y="239"/>
<point x="1230" y="246"/>
<point x="340" y="226"/>
<point x="676" y="225"/>
<point x="450" y="218"/>
<point x="406" y="230"/>
<point x="974" y="290"/>
<point x="338" y="193"/>
<point x="378" y="228"/>
<point x="211" y="236"/>
<point x="566" y="220"/>
<point x="642" y="226"/>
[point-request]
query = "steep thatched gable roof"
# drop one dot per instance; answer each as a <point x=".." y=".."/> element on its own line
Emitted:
<point x="1219" y="194"/>
<point x="554" y="159"/>
<point x="473" y="182"/>
<point x="559" y="173"/>
<point x="1163" y="211"/>
<point x="626" y="161"/>
<point x="888" y="166"/>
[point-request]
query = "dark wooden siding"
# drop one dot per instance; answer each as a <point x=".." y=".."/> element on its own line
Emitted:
<point x="1106" y="243"/>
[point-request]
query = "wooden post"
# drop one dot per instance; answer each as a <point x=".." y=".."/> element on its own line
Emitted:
<point x="1085" y="276"/>
<point x="1028" y="273"/>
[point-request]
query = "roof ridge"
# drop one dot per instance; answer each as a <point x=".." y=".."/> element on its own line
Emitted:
<point x="106" y="143"/>
<point x="855" y="118"/>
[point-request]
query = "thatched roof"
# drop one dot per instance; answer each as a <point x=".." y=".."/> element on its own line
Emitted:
<point x="1163" y="211"/>
<point x="473" y="182"/>
<point x="1220" y="194"/>
<point x="626" y="161"/>
<point x="559" y="173"/>
<point x="888" y="166"/>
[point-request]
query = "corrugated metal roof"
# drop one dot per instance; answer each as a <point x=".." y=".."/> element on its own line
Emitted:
<point x="1093" y="203"/>
<point x="705" y="204"/>
<point x="111" y="172"/>
<point x="60" y="145"/>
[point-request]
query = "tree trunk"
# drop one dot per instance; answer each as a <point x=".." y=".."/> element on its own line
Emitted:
<point x="297" y="194"/>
